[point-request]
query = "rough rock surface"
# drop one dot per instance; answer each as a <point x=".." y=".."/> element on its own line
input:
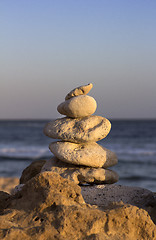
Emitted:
<point x="82" y="90"/>
<point x="87" y="154"/>
<point x="4" y="196"/>
<point x="88" y="129"/>
<point x="80" y="175"/>
<point x="17" y="189"/>
<point x="31" y="171"/>
<point x="50" y="207"/>
<point x="77" y="107"/>
<point x="104" y="195"/>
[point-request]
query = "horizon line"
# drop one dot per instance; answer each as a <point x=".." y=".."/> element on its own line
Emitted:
<point x="45" y="119"/>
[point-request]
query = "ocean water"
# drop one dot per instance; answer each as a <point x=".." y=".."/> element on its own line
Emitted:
<point x="134" y="142"/>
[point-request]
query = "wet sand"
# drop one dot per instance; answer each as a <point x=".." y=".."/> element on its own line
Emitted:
<point x="7" y="184"/>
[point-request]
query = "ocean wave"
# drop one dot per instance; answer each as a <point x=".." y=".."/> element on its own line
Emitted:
<point x="123" y="148"/>
<point x="24" y="152"/>
<point x="37" y="152"/>
<point x="138" y="151"/>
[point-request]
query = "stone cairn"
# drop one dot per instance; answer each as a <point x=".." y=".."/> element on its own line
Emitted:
<point x="77" y="156"/>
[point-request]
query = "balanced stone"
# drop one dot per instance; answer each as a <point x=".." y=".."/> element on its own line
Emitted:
<point x="82" y="90"/>
<point x="88" y="129"/>
<point x="88" y="154"/>
<point x="80" y="175"/>
<point x="78" y="157"/>
<point x="77" y="107"/>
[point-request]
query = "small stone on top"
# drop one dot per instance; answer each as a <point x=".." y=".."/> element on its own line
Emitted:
<point x="82" y="90"/>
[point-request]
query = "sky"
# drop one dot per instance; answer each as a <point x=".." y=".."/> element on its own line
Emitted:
<point x="49" y="47"/>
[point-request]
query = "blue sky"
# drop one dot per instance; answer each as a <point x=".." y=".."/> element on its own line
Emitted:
<point x="50" y="47"/>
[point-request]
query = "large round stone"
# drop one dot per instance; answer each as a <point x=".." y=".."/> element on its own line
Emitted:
<point x="88" y="154"/>
<point x="80" y="175"/>
<point x="82" y="90"/>
<point x="77" y="107"/>
<point x="88" y="129"/>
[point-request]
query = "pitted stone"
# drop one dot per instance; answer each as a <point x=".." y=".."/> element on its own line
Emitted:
<point x="88" y="129"/>
<point x="90" y="154"/>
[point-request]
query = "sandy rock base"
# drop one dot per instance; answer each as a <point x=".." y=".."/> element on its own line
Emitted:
<point x="51" y="207"/>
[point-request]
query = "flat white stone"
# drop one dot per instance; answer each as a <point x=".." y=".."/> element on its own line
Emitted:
<point x="82" y="90"/>
<point x="80" y="175"/>
<point x="91" y="154"/>
<point x="78" y="107"/>
<point x="88" y="129"/>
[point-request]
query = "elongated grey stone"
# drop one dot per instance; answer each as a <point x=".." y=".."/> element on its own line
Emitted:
<point x="91" y="154"/>
<point x="80" y="175"/>
<point x="88" y="129"/>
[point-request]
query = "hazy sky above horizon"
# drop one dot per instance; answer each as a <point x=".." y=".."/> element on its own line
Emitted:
<point x="50" y="47"/>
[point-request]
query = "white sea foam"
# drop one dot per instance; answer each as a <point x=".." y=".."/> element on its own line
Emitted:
<point x="24" y="152"/>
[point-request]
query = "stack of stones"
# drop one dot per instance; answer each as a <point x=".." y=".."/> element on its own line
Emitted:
<point x="77" y="156"/>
